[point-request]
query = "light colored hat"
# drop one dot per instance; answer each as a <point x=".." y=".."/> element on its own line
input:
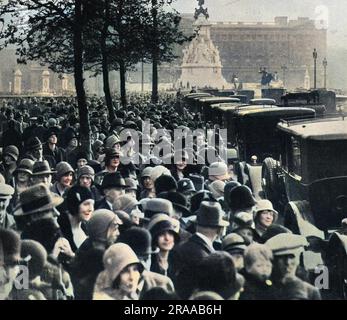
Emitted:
<point x="6" y="190"/>
<point x="287" y="243"/>
<point x="86" y="171"/>
<point x="217" y="188"/>
<point x="159" y="171"/>
<point x="111" y="141"/>
<point x="219" y="169"/>
<point x="263" y="205"/>
<point x="146" y="172"/>
<point x="117" y="257"/>
<point x="100" y="222"/>
<point x="156" y="205"/>
<point x="63" y="168"/>
<point x="125" y="203"/>
<point x="233" y="242"/>
<point x="243" y="220"/>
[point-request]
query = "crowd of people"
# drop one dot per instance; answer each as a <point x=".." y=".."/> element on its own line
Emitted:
<point x="97" y="228"/>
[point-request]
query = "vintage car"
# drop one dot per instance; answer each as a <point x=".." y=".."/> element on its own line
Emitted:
<point x="203" y="104"/>
<point x="309" y="180"/>
<point x="322" y="101"/>
<point x="191" y="98"/>
<point x="254" y="130"/>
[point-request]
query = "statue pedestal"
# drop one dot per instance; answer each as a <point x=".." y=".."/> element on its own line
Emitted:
<point x="201" y="65"/>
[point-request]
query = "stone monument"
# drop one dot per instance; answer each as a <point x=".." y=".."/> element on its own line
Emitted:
<point x="45" y="82"/>
<point x="17" y="82"/>
<point x="201" y="66"/>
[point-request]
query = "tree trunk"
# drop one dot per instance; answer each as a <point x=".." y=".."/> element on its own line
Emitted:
<point x="79" y="81"/>
<point x="123" y="94"/>
<point x="105" y="69"/>
<point x="106" y="82"/>
<point x="155" y="54"/>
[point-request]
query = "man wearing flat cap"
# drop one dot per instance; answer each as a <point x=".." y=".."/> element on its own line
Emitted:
<point x="286" y="249"/>
<point x="209" y="225"/>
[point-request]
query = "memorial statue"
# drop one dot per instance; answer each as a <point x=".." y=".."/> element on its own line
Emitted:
<point x="201" y="10"/>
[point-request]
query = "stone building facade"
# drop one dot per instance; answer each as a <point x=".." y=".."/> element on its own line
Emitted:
<point x="283" y="46"/>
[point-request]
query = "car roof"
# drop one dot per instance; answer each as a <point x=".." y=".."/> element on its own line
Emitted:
<point x="271" y="110"/>
<point x="217" y="99"/>
<point x="197" y="94"/>
<point x="262" y="101"/>
<point x="317" y="129"/>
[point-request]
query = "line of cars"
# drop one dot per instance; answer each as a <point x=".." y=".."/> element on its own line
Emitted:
<point x="293" y="153"/>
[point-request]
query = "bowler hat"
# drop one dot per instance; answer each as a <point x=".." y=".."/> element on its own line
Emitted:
<point x="165" y="183"/>
<point x="37" y="198"/>
<point x="113" y="180"/>
<point x="211" y="214"/>
<point x="197" y="198"/>
<point x="241" y="198"/>
<point x="42" y="167"/>
<point x="26" y="165"/>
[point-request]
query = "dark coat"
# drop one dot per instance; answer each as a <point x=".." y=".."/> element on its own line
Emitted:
<point x="185" y="260"/>
<point x="12" y="137"/>
<point x="102" y="204"/>
<point x="85" y="268"/>
<point x="65" y="227"/>
<point x="53" y="157"/>
<point x="296" y="289"/>
<point x="254" y="289"/>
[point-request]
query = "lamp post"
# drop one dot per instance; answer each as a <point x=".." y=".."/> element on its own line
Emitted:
<point x="325" y="64"/>
<point x="284" y="69"/>
<point x="315" y="56"/>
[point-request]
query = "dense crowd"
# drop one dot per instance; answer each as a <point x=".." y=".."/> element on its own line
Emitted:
<point x="99" y="228"/>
